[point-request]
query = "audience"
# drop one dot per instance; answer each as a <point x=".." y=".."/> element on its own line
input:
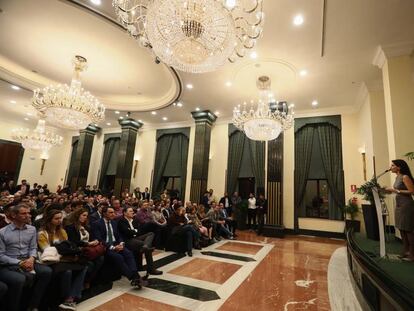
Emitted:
<point x="124" y="231"/>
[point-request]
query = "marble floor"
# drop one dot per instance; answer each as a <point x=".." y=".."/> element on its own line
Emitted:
<point x="252" y="273"/>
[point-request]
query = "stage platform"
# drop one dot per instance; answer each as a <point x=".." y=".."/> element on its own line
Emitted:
<point x="384" y="283"/>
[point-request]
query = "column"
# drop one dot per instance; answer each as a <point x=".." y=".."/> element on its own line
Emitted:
<point x="129" y="133"/>
<point x="83" y="157"/>
<point x="204" y="121"/>
<point x="396" y="64"/>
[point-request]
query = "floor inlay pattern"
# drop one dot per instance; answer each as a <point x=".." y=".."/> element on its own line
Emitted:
<point x="254" y="273"/>
<point x="207" y="270"/>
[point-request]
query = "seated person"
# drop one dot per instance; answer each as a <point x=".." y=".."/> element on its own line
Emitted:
<point x="5" y="218"/>
<point x="136" y="243"/>
<point x="78" y="232"/>
<point x="146" y="222"/>
<point x="106" y="231"/>
<point x="98" y="214"/>
<point x="178" y="225"/>
<point x="218" y="222"/>
<point x="196" y="222"/>
<point x="72" y="278"/>
<point x="205" y="221"/>
<point x="18" y="252"/>
<point x="230" y="222"/>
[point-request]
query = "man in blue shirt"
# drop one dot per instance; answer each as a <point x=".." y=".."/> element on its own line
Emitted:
<point x="18" y="251"/>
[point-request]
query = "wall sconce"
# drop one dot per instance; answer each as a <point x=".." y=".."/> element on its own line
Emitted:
<point x="364" y="161"/>
<point x="135" y="167"/>
<point x="43" y="156"/>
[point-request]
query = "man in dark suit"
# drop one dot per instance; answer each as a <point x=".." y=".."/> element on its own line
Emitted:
<point x="146" y="194"/>
<point x="138" y="243"/>
<point x="106" y="231"/>
<point x="24" y="187"/>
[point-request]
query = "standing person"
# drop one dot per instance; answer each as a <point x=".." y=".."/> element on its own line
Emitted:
<point x="235" y="205"/>
<point x="227" y="204"/>
<point x="72" y="279"/>
<point x="137" y="193"/>
<point x="251" y="211"/>
<point x="18" y="251"/>
<point x="261" y="212"/>
<point x="146" y="194"/>
<point x="404" y="211"/>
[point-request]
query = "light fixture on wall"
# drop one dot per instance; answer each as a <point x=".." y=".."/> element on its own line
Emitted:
<point x="136" y="161"/>
<point x="361" y="150"/>
<point x="193" y="35"/>
<point x="37" y="139"/>
<point x="43" y="156"/>
<point x="69" y="106"/>
<point x="263" y="122"/>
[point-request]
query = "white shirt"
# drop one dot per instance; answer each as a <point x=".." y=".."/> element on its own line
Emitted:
<point x="252" y="203"/>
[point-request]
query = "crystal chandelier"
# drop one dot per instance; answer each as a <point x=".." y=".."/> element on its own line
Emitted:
<point x="69" y="106"/>
<point x="268" y="120"/>
<point x="193" y="35"/>
<point x="37" y="139"/>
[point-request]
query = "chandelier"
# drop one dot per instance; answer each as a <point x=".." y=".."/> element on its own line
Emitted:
<point x="69" y="106"/>
<point x="268" y="120"/>
<point x="37" y="139"/>
<point x="193" y="35"/>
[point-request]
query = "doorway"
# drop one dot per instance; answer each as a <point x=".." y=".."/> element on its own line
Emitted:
<point x="11" y="156"/>
<point x="246" y="186"/>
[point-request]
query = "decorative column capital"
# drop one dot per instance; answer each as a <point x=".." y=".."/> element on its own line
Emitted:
<point x="204" y="116"/>
<point x="129" y="123"/>
<point x="385" y="52"/>
<point x="91" y="129"/>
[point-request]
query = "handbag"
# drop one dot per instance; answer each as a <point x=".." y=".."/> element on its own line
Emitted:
<point x="93" y="252"/>
<point x="67" y="248"/>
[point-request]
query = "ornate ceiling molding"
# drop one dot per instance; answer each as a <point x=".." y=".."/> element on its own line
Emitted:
<point x="392" y="50"/>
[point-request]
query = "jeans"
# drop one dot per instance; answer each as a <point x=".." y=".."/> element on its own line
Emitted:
<point x="71" y="283"/>
<point x="251" y="216"/>
<point x="93" y="268"/>
<point x="16" y="280"/>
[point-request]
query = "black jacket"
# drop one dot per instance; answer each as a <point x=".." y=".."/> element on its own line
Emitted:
<point x="125" y="230"/>
<point x="74" y="235"/>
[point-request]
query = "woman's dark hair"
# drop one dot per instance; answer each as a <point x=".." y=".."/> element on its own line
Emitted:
<point x="404" y="168"/>
<point x="47" y="220"/>
<point x="73" y="218"/>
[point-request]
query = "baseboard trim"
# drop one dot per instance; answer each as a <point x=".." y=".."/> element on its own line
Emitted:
<point x="323" y="234"/>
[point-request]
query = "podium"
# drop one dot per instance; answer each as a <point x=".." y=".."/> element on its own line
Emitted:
<point x="371" y="221"/>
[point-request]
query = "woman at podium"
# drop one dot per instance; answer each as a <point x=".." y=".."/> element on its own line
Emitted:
<point x="404" y="210"/>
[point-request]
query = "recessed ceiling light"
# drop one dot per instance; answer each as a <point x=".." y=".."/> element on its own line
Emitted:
<point x="253" y="55"/>
<point x="153" y="113"/>
<point x="292" y="105"/>
<point x="96" y="2"/>
<point x="108" y="123"/>
<point x="315" y="103"/>
<point x="29" y="114"/>
<point x="121" y="118"/>
<point x="303" y="73"/>
<point x="26" y="119"/>
<point x="230" y="4"/>
<point x="228" y="83"/>
<point x="179" y="104"/>
<point x="140" y="121"/>
<point x="197" y="109"/>
<point x="12" y="102"/>
<point x="298" y="20"/>
<point x="15" y="87"/>
<point x="165" y="118"/>
<point x="217" y="113"/>
<point x="117" y="112"/>
<point x="189" y="86"/>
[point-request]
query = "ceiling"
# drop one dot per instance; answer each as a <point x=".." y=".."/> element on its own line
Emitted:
<point x="39" y="39"/>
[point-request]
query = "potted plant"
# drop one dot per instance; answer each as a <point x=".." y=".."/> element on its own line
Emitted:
<point x="369" y="210"/>
<point x="352" y="209"/>
<point x="409" y="155"/>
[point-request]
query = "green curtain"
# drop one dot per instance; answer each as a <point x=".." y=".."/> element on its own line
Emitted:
<point x="257" y="157"/>
<point x="72" y="162"/>
<point x="110" y="147"/>
<point x="161" y="157"/>
<point x="183" y="147"/>
<point x="331" y="152"/>
<point x="303" y="154"/>
<point x="236" y="146"/>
